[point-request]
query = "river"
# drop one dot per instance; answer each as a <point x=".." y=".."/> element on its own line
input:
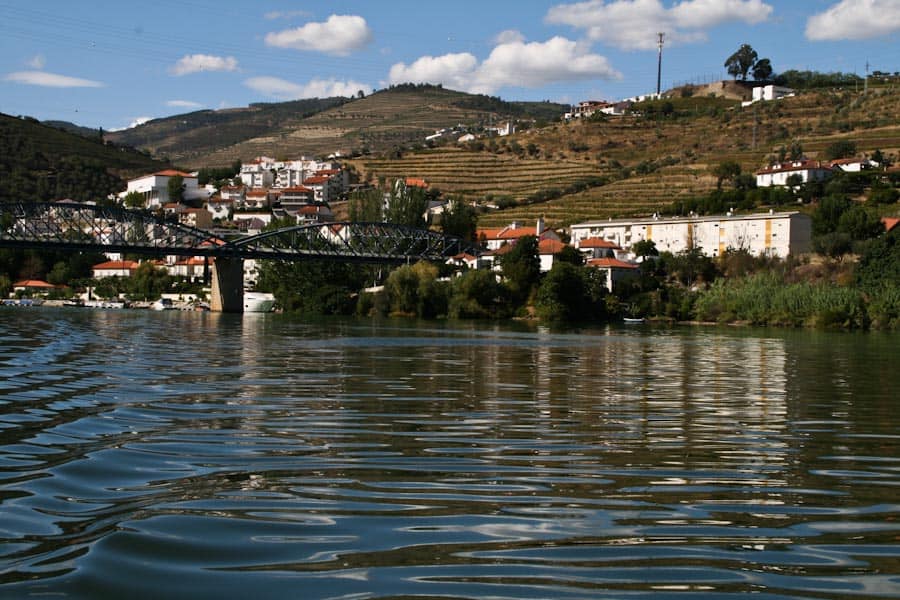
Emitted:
<point x="187" y="455"/>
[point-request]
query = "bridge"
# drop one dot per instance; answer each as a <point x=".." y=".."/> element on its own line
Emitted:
<point x="77" y="227"/>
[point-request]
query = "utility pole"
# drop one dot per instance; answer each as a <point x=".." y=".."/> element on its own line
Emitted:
<point x="866" y="86"/>
<point x="659" y="63"/>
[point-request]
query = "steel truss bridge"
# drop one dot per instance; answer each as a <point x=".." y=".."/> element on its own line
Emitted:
<point x="74" y="226"/>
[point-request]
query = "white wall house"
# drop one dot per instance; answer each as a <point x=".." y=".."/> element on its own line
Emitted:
<point x="258" y="173"/>
<point x="765" y="93"/>
<point x="777" y="174"/>
<point x="853" y="165"/>
<point x="155" y="188"/>
<point x="770" y="234"/>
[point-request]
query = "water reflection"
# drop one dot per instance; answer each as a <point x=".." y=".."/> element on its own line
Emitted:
<point x="279" y="457"/>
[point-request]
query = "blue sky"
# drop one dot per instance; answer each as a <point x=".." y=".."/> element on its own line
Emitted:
<point x="111" y="63"/>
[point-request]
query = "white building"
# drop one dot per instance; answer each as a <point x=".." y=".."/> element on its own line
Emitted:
<point x="765" y="93"/>
<point x="155" y="188"/>
<point x="777" y="174"/>
<point x="771" y="234"/>
<point x="853" y="165"/>
<point x="258" y="173"/>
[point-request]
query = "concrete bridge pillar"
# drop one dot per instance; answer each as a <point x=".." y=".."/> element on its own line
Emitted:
<point x="227" y="290"/>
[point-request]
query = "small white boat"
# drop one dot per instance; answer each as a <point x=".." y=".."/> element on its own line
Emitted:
<point x="632" y="321"/>
<point x="163" y="304"/>
<point x="258" y="302"/>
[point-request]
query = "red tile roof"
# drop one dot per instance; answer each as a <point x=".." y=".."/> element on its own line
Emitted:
<point x="33" y="283"/>
<point x="416" y="182"/>
<point x="889" y="222"/>
<point x="174" y="173"/>
<point x="598" y="243"/>
<point x="297" y="189"/>
<point x="117" y="265"/>
<point x="315" y="180"/>
<point x="794" y="165"/>
<point x="550" y="246"/>
<point x="610" y="263"/>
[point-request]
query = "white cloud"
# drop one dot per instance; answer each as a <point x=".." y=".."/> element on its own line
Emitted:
<point x="515" y="63"/>
<point x="634" y="24"/>
<point x="36" y="62"/>
<point x="509" y="36"/>
<point x="453" y="70"/>
<point x="183" y="104"/>
<point x="317" y="88"/>
<point x="339" y="35"/>
<point x="45" y="79"/>
<point x="855" y="20"/>
<point x="195" y="63"/>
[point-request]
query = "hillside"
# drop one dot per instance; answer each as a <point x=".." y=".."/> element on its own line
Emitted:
<point x="648" y="161"/>
<point x="387" y="119"/>
<point x="40" y="162"/>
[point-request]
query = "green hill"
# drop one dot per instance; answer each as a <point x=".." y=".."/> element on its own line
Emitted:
<point x="392" y="118"/>
<point x="40" y="162"/>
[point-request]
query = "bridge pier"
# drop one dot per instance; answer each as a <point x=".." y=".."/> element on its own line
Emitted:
<point x="227" y="290"/>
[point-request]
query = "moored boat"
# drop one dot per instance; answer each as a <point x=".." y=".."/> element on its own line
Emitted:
<point x="258" y="302"/>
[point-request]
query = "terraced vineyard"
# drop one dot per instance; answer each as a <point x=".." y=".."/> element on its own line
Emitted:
<point x="640" y="195"/>
<point x="650" y="162"/>
<point x="480" y="175"/>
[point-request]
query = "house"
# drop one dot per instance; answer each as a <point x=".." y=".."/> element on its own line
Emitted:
<point x="616" y="270"/>
<point x="155" y="188"/>
<point x="465" y="260"/>
<point x="313" y="213"/>
<point x="493" y="239"/>
<point x="34" y="286"/>
<point x="195" y="217"/>
<point x="193" y="268"/>
<point x="853" y="165"/>
<point x="547" y="248"/>
<point x="258" y="173"/>
<point x="766" y="234"/>
<point x="597" y="247"/>
<point x="586" y="109"/>
<point x="256" y="198"/>
<point x="294" y="197"/>
<point x="219" y="208"/>
<point x="890" y="223"/>
<point x="778" y="174"/>
<point x="114" y="268"/>
<point x="765" y="93"/>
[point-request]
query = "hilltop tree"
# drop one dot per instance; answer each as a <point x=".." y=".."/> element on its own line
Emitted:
<point x="745" y="60"/>
<point x="762" y="70"/>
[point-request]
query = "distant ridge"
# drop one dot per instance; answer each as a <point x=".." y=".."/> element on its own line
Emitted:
<point x="391" y="118"/>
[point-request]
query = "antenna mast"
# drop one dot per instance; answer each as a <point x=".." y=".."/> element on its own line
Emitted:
<point x="659" y="63"/>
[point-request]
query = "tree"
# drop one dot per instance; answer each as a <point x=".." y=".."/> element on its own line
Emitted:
<point x="407" y="206"/>
<point x="740" y="63"/>
<point x="366" y="205"/>
<point x="477" y="295"/>
<point x="459" y="219"/>
<point x="175" y="187"/>
<point x="840" y="149"/>
<point x="762" y="70"/>
<point x="133" y="200"/>
<point x="645" y="248"/>
<point x="522" y="267"/>
<point x="728" y="169"/>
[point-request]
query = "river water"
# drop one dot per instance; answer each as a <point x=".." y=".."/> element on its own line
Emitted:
<point x="187" y="455"/>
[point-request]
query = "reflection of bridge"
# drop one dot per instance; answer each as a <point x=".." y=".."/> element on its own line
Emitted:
<point x="84" y="227"/>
